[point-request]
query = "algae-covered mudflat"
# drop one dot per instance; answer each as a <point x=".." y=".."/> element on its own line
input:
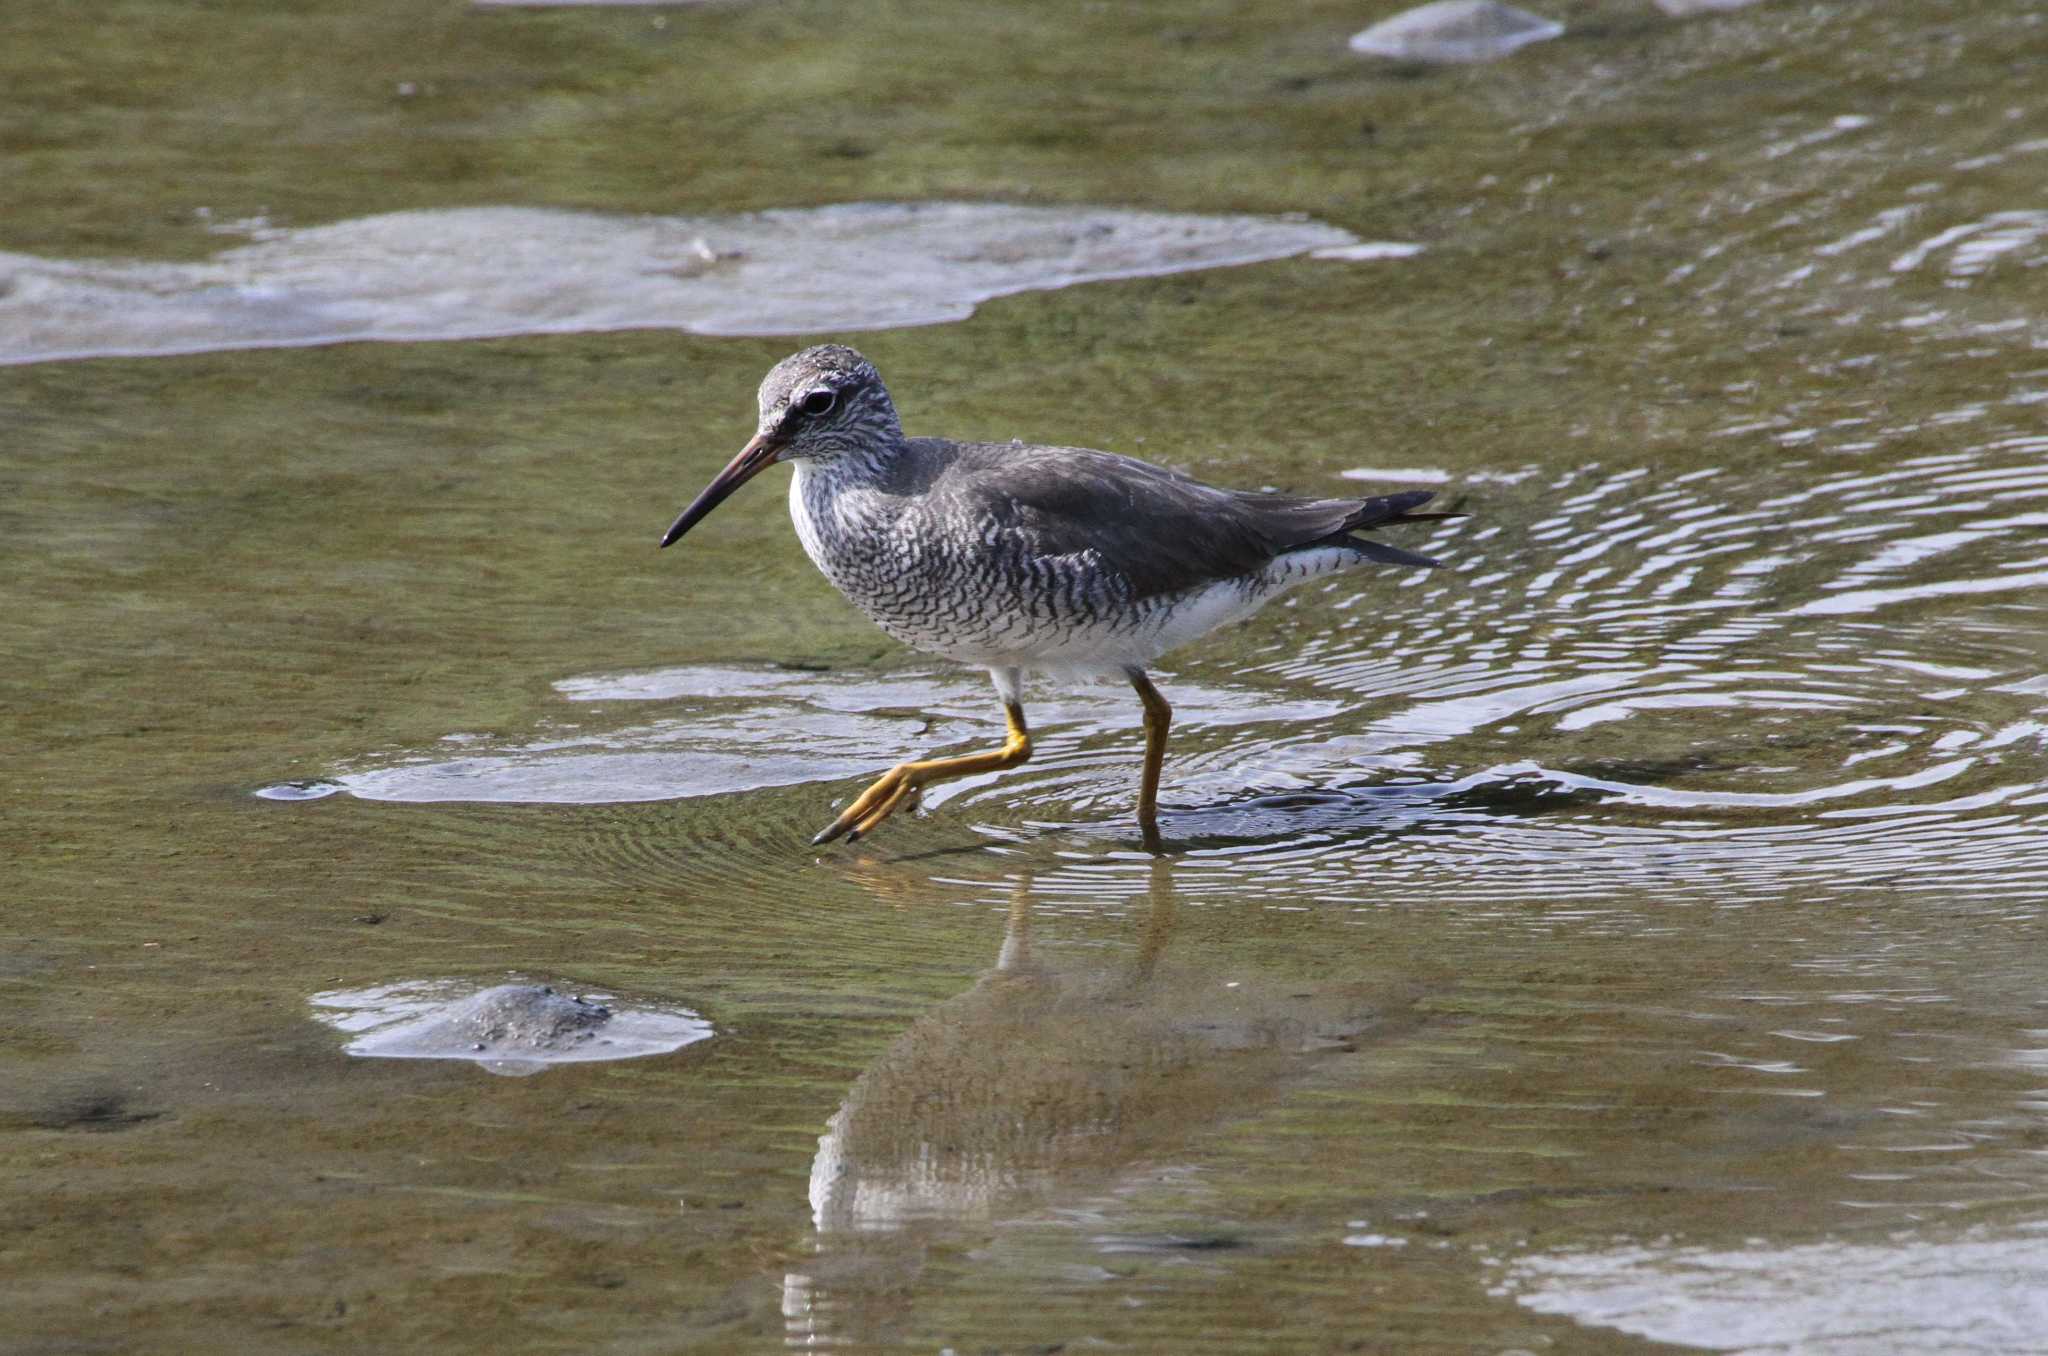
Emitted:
<point x="1629" y="935"/>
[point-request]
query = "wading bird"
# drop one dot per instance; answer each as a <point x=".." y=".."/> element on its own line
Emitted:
<point x="1017" y="556"/>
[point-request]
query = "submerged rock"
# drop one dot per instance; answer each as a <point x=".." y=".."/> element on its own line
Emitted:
<point x="531" y="1016"/>
<point x="508" y="1029"/>
<point x="1455" y="30"/>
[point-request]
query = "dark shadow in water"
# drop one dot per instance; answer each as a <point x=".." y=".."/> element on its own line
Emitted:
<point x="98" y="1108"/>
<point x="1346" y="814"/>
<point x="1356" y="813"/>
<point x="1351" y="814"/>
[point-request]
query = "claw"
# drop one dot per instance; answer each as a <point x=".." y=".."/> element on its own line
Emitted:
<point x="904" y="784"/>
<point x="905" y="789"/>
<point x="858" y="817"/>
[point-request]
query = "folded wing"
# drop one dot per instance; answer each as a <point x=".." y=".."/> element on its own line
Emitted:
<point x="1162" y="531"/>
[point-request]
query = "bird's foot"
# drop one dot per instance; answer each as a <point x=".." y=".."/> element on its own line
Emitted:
<point x="890" y="792"/>
<point x="900" y="785"/>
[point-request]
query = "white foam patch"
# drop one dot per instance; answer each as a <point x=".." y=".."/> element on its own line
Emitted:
<point x="1370" y="250"/>
<point x="479" y="272"/>
<point x="584" y="4"/>
<point x="1455" y="30"/>
<point x="1416" y="475"/>
<point x="1679" y="9"/>
<point x="1974" y="1294"/>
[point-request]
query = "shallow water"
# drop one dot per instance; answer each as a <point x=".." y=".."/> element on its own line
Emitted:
<point x="1628" y="935"/>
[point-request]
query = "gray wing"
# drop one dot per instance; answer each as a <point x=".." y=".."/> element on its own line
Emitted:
<point x="1162" y="531"/>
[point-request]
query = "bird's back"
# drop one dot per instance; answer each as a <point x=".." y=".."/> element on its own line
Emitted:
<point x="1153" y="530"/>
<point x="989" y="551"/>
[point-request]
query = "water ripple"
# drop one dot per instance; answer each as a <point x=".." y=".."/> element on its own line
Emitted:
<point x="1715" y="684"/>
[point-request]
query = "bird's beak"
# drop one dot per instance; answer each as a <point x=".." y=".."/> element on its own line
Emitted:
<point x="757" y="456"/>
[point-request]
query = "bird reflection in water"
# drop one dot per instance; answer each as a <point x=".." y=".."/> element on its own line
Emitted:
<point x="1041" y="1089"/>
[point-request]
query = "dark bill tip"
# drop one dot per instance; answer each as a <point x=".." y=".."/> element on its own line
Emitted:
<point x="757" y="456"/>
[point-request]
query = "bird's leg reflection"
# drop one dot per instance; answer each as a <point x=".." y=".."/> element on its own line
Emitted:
<point x="979" y="1106"/>
<point x="1016" y="950"/>
<point x="1015" y="955"/>
<point x="1063" y="1070"/>
<point x="1160" y="909"/>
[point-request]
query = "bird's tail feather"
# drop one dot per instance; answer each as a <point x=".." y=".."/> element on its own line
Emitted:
<point x="1389" y="555"/>
<point x="1393" y="508"/>
<point x="1385" y="511"/>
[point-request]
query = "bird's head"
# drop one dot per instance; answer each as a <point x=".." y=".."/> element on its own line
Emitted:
<point x="820" y="404"/>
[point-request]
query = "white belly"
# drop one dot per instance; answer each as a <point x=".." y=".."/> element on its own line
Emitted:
<point x="919" y="599"/>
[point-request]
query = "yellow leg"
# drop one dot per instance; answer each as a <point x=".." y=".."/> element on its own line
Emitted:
<point x="905" y="780"/>
<point x="1158" y="718"/>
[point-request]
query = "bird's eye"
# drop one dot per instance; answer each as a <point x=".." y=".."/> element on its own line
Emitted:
<point x="818" y="402"/>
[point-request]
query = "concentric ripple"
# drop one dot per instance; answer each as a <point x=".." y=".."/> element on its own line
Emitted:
<point x="1822" y="679"/>
<point x="1700" y="683"/>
